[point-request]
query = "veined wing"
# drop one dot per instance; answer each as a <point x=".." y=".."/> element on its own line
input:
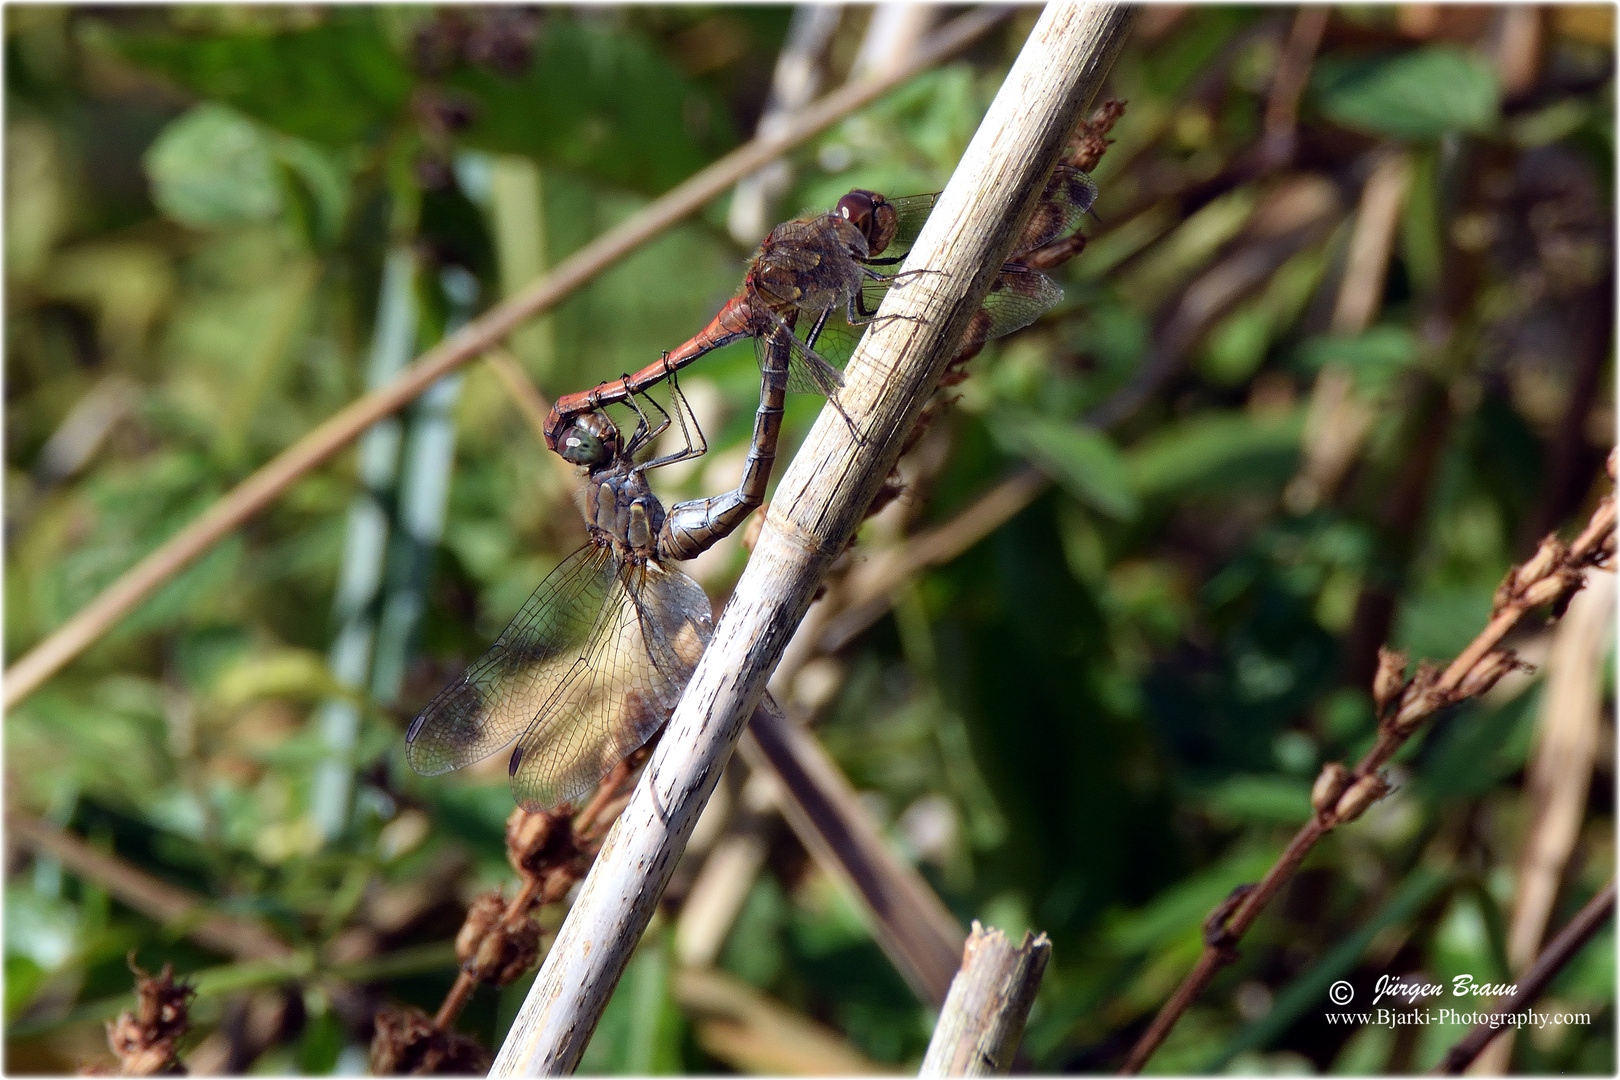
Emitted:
<point x="910" y="213"/>
<point x="1018" y="296"/>
<point x="496" y="699"/>
<point x="1069" y="193"/>
<point x="640" y="657"/>
<point x="813" y="367"/>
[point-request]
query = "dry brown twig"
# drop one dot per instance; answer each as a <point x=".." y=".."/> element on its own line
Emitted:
<point x="1548" y="579"/>
<point x="245" y="939"/>
<point x="1570" y="940"/>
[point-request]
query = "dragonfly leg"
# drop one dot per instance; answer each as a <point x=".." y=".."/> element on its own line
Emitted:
<point x="683" y="409"/>
<point x="645" y="432"/>
<point x="691" y="528"/>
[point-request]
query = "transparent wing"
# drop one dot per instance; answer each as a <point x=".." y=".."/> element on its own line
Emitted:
<point x="910" y="213"/>
<point x="655" y="626"/>
<point x="1068" y="195"/>
<point x="813" y="367"/>
<point x="497" y="698"/>
<point x="1018" y="297"/>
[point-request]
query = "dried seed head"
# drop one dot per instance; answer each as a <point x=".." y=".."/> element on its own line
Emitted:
<point x="1420" y="700"/>
<point x="482" y="917"/>
<point x="533" y="841"/>
<point x="505" y="952"/>
<point x="407" y="1043"/>
<point x="1330" y="784"/>
<point x="1549" y="589"/>
<point x="1362" y="794"/>
<point x="1485" y="674"/>
<point x="1546" y="559"/>
<point x="145" y="1040"/>
<point x="1391" y="677"/>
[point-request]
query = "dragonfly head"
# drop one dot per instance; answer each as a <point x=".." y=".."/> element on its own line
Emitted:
<point x="590" y="440"/>
<point x="872" y="214"/>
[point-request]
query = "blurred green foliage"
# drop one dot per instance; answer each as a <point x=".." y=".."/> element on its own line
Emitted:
<point x="1095" y="722"/>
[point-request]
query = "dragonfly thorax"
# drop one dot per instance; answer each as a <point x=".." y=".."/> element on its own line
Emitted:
<point x="620" y="504"/>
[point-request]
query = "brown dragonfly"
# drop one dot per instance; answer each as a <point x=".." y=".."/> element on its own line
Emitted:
<point x="825" y="265"/>
<point x="591" y="666"/>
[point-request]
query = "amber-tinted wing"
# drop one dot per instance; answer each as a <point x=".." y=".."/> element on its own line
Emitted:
<point x="910" y="212"/>
<point x="655" y="624"/>
<point x="498" y="697"/>
<point x="1068" y="195"/>
<point x="1018" y="296"/>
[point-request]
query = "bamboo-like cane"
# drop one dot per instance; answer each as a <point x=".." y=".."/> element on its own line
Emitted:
<point x="139" y="582"/>
<point x="983" y="1020"/>
<point x="821" y="499"/>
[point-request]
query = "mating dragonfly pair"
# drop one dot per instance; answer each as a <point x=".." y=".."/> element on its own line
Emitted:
<point x="592" y="665"/>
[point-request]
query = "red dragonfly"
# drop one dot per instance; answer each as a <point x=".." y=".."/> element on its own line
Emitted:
<point x="591" y="666"/>
<point x="822" y="265"/>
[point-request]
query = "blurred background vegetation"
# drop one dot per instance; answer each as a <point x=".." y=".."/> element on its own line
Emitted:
<point x="1314" y="387"/>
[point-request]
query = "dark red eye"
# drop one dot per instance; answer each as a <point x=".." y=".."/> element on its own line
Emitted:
<point x="856" y="208"/>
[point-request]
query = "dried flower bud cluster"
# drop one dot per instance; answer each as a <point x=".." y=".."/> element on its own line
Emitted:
<point x="499" y="939"/>
<point x="493" y="947"/>
<point x="1390" y="680"/>
<point x="408" y="1043"/>
<point x="145" y="1040"/>
<point x="1091" y="139"/>
<point x="1360" y="795"/>
<point x="1330" y="784"/>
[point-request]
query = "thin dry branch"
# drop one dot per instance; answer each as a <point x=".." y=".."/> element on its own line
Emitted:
<point x="907" y="918"/>
<point x="822" y="498"/>
<point x="983" y="1020"/>
<point x="244" y="939"/>
<point x="1575" y="934"/>
<point x="1549" y="578"/>
<point x="252" y="495"/>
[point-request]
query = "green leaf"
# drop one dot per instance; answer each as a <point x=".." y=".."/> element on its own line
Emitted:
<point x="1416" y="95"/>
<point x="1181" y="909"/>
<point x="214" y="167"/>
<point x="336" y="83"/>
<point x="601" y="101"/>
<point x="1082" y="459"/>
<point x="1217" y="450"/>
<point x="1374" y="357"/>
<point x="296" y="674"/>
<point x="1281" y="800"/>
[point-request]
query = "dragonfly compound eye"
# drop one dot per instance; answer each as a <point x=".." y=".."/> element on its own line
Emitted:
<point x="591" y="441"/>
<point x="856" y="208"/>
<point x="581" y="447"/>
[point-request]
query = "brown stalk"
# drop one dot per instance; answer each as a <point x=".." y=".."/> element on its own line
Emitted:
<point x="252" y="495"/>
<point x="1550" y="577"/>
<point x="244" y="939"/>
<point x="499" y="940"/>
<point x="1570" y="940"/>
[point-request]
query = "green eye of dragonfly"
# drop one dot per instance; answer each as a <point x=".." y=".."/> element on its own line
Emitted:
<point x="581" y="447"/>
